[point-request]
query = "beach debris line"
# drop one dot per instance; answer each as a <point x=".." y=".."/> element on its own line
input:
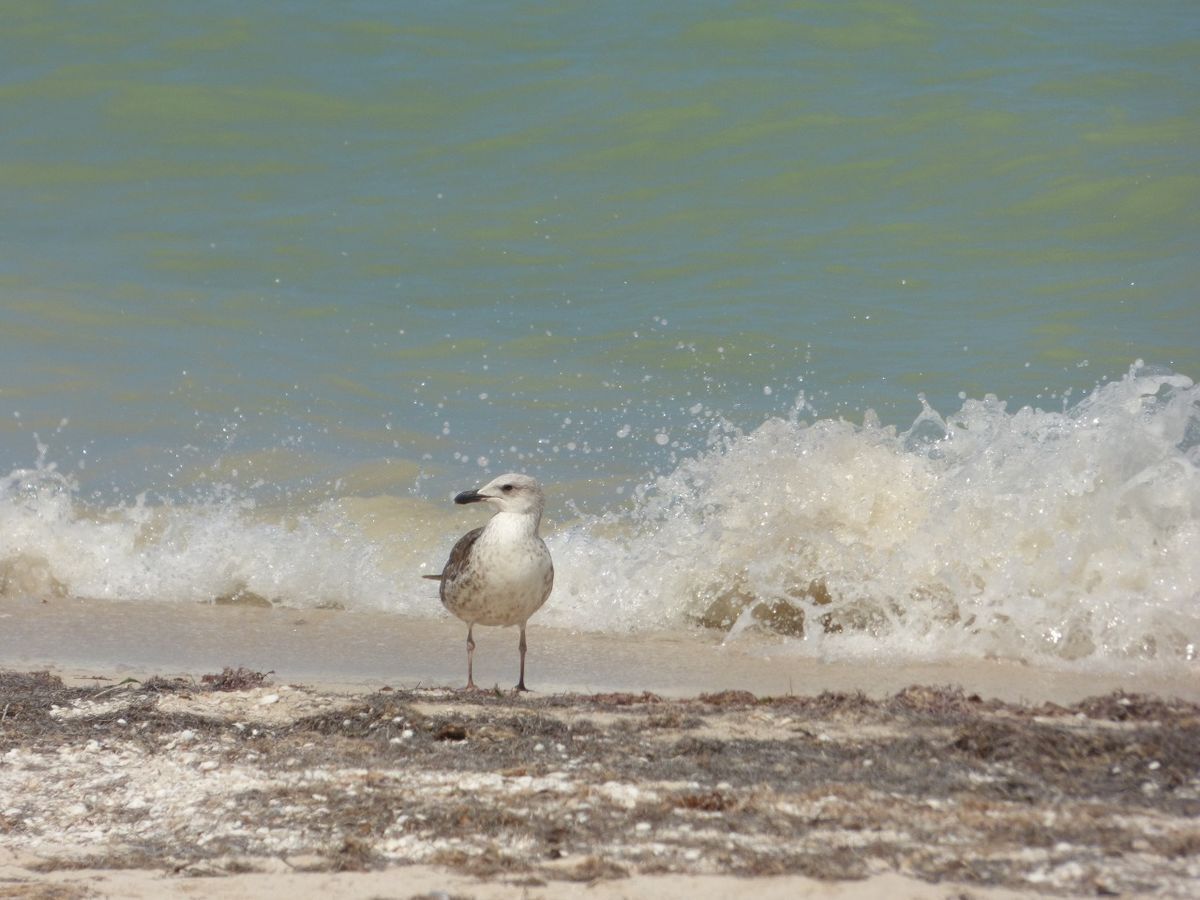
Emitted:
<point x="501" y="573"/>
<point x="1096" y="797"/>
<point x="238" y="679"/>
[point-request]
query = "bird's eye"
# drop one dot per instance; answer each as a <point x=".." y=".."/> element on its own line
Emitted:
<point x="507" y="488"/>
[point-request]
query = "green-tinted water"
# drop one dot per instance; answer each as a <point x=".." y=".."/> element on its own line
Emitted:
<point x="316" y="225"/>
<point x="276" y="280"/>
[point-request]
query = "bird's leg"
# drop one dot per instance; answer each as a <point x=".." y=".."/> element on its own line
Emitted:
<point x="521" y="684"/>
<point x="470" y="657"/>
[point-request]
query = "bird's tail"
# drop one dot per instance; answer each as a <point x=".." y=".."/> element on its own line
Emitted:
<point x="433" y="577"/>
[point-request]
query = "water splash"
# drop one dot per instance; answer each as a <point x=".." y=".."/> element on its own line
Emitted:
<point x="1070" y="537"/>
<point x="1062" y="536"/>
<point x="222" y="548"/>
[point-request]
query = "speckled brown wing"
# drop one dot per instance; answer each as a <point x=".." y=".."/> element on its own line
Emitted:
<point x="459" y="555"/>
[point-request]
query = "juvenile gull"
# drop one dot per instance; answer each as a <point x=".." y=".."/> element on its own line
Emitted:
<point x="499" y="574"/>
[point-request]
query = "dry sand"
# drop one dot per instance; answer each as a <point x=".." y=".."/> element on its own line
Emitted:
<point x="236" y="786"/>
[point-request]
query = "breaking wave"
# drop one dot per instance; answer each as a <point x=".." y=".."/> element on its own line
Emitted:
<point x="1068" y="537"/>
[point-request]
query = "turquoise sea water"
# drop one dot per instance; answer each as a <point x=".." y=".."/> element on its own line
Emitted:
<point x="276" y="282"/>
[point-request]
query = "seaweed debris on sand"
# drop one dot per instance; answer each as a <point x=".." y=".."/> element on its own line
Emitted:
<point x="232" y="774"/>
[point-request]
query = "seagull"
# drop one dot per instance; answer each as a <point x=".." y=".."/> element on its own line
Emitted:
<point x="499" y="574"/>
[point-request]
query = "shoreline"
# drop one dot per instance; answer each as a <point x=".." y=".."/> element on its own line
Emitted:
<point x="176" y="785"/>
<point x="362" y="650"/>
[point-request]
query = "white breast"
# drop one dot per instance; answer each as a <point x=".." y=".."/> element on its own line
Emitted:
<point x="509" y="575"/>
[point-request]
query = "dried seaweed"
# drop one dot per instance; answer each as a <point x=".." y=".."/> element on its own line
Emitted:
<point x="930" y="781"/>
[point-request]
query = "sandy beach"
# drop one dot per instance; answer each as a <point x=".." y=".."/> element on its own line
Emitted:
<point x="234" y="784"/>
<point x="360" y="650"/>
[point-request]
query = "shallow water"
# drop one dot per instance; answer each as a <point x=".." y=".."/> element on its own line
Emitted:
<point x="276" y="287"/>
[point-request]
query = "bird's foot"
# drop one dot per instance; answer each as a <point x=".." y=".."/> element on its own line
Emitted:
<point x="521" y="689"/>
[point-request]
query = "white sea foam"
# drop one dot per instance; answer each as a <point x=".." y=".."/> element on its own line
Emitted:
<point x="224" y="549"/>
<point x="1036" y="535"/>
<point x="1070" y="536"/>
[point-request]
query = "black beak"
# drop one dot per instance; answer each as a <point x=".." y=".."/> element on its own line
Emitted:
<point x="472" y="496"/>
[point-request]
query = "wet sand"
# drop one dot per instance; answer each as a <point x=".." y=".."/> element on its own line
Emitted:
<point x="239" y="785"/>
<point x="363" y="650"/>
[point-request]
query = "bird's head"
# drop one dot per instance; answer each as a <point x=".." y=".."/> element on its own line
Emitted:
<point x="512" y="493"/>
